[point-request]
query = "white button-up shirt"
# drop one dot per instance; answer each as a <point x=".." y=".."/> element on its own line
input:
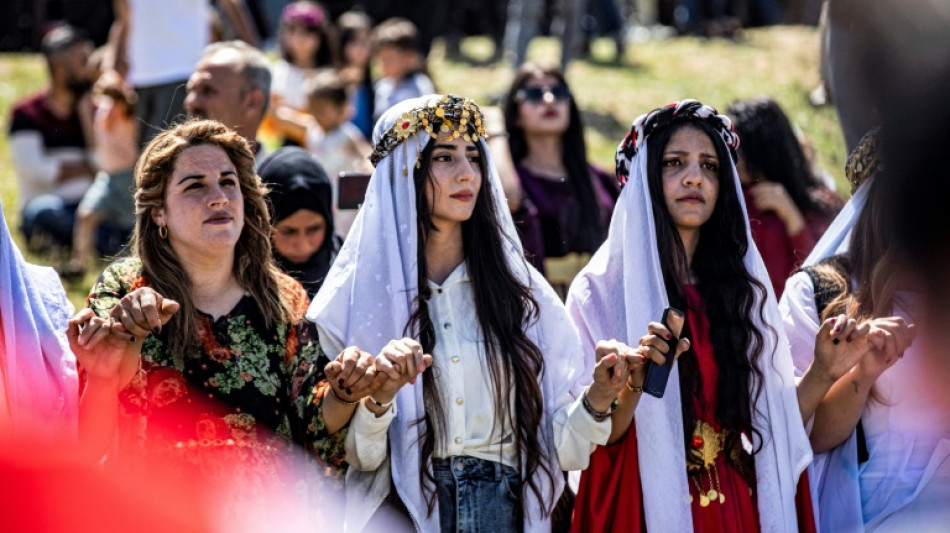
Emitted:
<point x="464" y="384"/>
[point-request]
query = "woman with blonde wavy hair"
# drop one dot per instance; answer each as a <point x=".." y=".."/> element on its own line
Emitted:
<point x="197" y="343"/>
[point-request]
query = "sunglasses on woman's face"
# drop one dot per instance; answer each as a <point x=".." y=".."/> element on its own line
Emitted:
<point x="537" y="94"/>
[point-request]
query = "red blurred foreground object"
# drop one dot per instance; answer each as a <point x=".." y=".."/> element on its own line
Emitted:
<point x="44" y="489"/>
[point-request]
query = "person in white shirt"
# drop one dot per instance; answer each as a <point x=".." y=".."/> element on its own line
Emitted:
<point x="49" y="151"/>
<point x="482" y="402"/>
<point x="882" y="431"/>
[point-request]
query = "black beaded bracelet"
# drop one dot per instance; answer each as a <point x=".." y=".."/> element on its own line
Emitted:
<point x="599" y="417"/>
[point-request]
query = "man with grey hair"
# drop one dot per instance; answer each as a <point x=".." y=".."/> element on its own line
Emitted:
<point x="231" y="84"/>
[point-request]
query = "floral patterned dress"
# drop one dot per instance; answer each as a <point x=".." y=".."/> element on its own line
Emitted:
<point x="243" y="398"/>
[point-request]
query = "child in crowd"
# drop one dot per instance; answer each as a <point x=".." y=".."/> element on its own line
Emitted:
<point x="355" y="28"/>
<point x="335" y="142"/>
<point x="109" y="201"/>
<point x="400" y="65"/>
<point x="307" y="43"/>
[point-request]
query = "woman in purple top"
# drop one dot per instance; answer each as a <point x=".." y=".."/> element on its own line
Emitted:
<point x="571" y="200"/>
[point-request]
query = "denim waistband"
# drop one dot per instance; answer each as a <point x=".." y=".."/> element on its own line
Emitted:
<point x="466" y="466"/>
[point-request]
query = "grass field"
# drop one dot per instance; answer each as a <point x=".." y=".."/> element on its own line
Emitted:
<point x="779" y="62"/>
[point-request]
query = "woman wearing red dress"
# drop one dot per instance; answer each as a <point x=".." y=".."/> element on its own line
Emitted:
<point x="723" y="448"/>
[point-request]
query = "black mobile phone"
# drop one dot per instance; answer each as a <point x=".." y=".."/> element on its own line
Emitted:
<point x="658" y="375"/>
<point x="352" y="189"/>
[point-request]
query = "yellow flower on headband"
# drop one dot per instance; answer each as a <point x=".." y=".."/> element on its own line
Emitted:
<point x="448" y="117"/>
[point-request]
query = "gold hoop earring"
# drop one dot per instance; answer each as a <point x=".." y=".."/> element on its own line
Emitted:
<point x="163" y="232"/>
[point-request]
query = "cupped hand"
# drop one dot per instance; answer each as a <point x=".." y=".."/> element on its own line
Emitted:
<point x="889" y="338"/>
<point x="611" y="371"/>
<point x="352" y="375"/>
<point x="400" y="362"/>
<point x="141" y="312"/>
<point x="97" y="347"/>
<point x="839" y="344"/>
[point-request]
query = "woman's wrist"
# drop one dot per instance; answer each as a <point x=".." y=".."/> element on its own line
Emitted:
<point x="818" y="374"/>
<point x="598" y="409"/>
<point x="103" y="383"/>
<point x="342" y="401"/>
<point x="378" y="407"/>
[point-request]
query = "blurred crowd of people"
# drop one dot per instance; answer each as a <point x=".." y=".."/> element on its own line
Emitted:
<point x="341" y="298"/>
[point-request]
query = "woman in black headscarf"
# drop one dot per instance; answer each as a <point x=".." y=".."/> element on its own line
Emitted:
<point x="305" y="243"/>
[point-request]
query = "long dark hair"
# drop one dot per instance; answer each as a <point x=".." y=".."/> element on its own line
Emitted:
<point x="772" y="150"/>
<point x="587" y="225"/>
<point x="729" y="294"/>
<point x="505" y="307"/>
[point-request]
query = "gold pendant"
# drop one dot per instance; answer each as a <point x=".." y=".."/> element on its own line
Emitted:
<point x="690" y="498"/>
<point x="703" y="500"/>
<point x="722" y="498"/>
<point x="712" y="495"/>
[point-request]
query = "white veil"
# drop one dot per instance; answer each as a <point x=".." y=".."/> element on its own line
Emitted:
<point x="622" y="289"/>
<point x="39" y="385"/>
<point x="367" y="298"/>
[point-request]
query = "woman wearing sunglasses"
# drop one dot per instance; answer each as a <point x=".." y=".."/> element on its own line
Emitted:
<point x="572" y="200"/>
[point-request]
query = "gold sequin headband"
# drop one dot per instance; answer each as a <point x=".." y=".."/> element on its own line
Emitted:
<point x="863" y="161"/>
<point x="448" y="117"/>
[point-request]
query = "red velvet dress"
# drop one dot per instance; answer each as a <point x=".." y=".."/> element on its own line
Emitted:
<point x="610" y="495"/>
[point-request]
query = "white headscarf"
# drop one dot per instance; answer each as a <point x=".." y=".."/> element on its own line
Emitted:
<point x="39" y="387"/>
<point x="368" y="297"/>
<point x="833" y="476"/>
<point x="621" y="290"/>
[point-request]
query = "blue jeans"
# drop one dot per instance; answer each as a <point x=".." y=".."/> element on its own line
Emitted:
<point x="476" y="495"/>
<point x="49" y="214"/>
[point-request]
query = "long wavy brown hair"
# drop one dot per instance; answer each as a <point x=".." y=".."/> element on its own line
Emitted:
<point x="871" y="263"/>
<point x="254" y="267"/>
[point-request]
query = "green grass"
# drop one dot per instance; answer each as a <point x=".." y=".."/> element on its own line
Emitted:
<point x="778" y="62"/>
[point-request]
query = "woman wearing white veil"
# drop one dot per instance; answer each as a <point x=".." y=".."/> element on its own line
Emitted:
<point x="882" y="432"/>
<point x="39" y="385"/>
<point x="730" y="419"/>
<point x="479" y="442"/>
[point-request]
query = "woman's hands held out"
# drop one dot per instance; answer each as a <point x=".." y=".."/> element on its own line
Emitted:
<point x="872" y="346"/>
<point x="109" y="349"/>
<point x="889" y="338"/>
<point x="619" y="365"/>
<point x="141" y="312"/>
<point x="400" y="362"/>
<point x="352" y="375"/>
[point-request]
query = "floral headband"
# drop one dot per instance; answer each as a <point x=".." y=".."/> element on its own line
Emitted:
<point x="660" y="118"/>
<point x="448" y="117"/>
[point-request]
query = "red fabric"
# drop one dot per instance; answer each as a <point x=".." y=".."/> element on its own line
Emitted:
<point x="803" y="505"/>
<point x="781" y="252"/>
<point x="610" y="497"/>
<point x="739" y="511"/>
